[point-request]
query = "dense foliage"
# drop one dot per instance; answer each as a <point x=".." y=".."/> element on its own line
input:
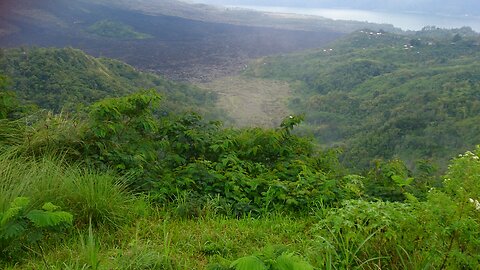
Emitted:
<point x="381" y="95"/>
<point x="21" y="226"/>
<point x="58" y="79"/>
<point x="250" y="170"/>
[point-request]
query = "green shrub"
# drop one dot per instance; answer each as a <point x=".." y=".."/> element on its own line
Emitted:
<point x="271" y="259"/>
<point x="440" y="233"/>
<point x="457" y="212"/>
<point x="22" y="226"/>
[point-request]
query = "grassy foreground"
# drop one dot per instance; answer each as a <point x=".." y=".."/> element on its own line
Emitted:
<point x="162" y="242"/>
<point x="116" y="229"/>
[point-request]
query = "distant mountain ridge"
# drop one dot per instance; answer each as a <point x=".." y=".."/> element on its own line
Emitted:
<point x="450" y="7"/>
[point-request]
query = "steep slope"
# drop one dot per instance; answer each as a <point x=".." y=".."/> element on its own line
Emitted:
<point x="181" y="48"/>
<point x="382" y="95"/>
<point x="64" y="78"/>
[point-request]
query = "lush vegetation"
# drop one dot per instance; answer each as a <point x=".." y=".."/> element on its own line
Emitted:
<point x="150" y="191"/>
<point x="128" y="181"/>
<point x="67" y="78"/>
<point x="113" y="29"/>
<point x="381" y="95"/>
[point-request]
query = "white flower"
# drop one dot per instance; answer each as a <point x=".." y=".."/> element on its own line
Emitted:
<point x="476" y="203"/>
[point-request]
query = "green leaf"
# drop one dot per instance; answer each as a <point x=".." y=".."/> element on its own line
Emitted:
<point x="50" y="207"/>
<point x="12" y="230"/>
<point x="44" y="219"/>
<point x="20" y="202"/>
<point x="14" y="210"/>
<point x="290" y="262"/>
<point x="248" y="263"/>
<point x="402" y="181"/>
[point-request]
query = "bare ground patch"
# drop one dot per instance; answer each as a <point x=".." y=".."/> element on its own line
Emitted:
<point x="251" y="102"/>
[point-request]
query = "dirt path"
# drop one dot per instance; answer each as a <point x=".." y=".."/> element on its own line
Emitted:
<point x="250" y="101"/>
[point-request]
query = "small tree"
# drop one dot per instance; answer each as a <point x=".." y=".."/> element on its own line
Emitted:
<point x="121" y="131"/>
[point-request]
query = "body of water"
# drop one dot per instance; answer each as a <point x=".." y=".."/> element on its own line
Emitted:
<point x="405" y="21"/>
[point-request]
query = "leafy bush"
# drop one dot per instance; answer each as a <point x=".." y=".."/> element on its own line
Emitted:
<point x="254" y="170"/>
<point x="441" y="232"/>
<point x="270" y="260"/>
<point x="251" y="169"/>
<point x="21" y="226"/>
<point x="457" y="211"/>
<point x="388" y="180"/>
<point x="120" y="135"/>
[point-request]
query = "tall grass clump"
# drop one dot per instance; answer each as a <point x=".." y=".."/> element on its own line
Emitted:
<point x="10" y="132"/>
<point x="20" y="176"/>
<point x="364" y="235"/>
<point x="101" y="198"/>
<point x="88" y="194"/>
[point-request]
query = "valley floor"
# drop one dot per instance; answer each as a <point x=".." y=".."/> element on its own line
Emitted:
<point x="251" y="101"/>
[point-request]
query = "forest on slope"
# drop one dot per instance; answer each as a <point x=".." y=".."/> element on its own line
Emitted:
<point x="378" y="95"/>
<point x="57" y="79"/>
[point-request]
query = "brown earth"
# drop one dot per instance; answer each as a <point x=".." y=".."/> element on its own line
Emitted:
<point x="251" y="102"/>
<point x="181" y="49"/>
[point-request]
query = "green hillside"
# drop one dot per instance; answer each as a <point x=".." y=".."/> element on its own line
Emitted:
<point x="382" y="95"/>
<point x="65" y="78"/>
<point x="113" y="29"/>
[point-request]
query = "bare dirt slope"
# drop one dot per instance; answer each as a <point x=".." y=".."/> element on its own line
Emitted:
<point x="250" y="101"/>
<point x="178" y="48"/>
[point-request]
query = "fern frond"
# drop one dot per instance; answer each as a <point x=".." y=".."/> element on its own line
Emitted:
<point x="43" y="219"/>
<point x="50" y="207"/>
<point x="12" y="230"/>
<point x="248" y="263"/>
<point x="288" y="261"/>
<point x="14" y="210"/>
